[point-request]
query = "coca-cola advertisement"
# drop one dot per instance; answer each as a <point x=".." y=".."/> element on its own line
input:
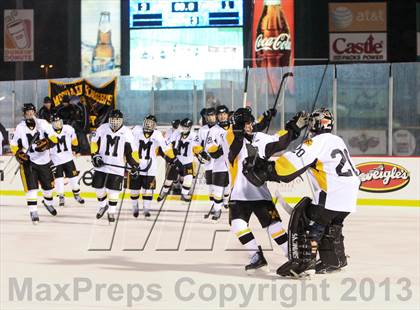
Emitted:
<point x="358" y="47"/>
<point x="273" y="33"/>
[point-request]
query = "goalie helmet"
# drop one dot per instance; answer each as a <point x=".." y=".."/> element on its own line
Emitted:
<point x="56" y="122"/>
<point x="115" y="120"/>
<point x="186" y="125"/>
<point x="320" y="121"/>
<point x="149" y="123"/>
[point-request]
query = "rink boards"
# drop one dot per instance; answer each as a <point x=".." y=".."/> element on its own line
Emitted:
<point x="386" y="181"/>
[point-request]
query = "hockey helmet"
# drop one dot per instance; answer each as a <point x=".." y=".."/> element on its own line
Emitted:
<point x="115" y="120"/>
<point x="175" y="123"/>
<point x="241" y="117"/>
<point x="186" y="125"/>
<point x="321" y="120"/>
<point x="149" y="123"/>
<point x="56" y="122"/>
<point x="210" y="116"/>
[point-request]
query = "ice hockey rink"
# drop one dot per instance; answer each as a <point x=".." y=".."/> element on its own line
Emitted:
<point x="171" y="261"/>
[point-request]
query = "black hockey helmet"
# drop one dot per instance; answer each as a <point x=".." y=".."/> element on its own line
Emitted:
<point x="47" y="99"/>
<point x="321" y="120"/>
<point x="186" y="125"/>
<point x="241" y="117"/>
<point x="222" y="109"/>
<point x="115" y="120"/>
<point x="29" y="118"/>
<point x="149" y="123"/>
<point x="210" y="116"/>
<point x="56" y="122"/>
<point x="175" y="123"/>
<point x="28" y="107"/>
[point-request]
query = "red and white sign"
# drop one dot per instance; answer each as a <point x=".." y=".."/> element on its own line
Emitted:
<point x="358" y="47"/>
<point x="18" y="35"/>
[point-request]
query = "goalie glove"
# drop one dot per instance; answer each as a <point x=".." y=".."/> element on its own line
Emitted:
<point x="42" y="145"/>
<point x="22" y="157"/>
<point x="97" y="161"/>
<point x="203" y="157"/>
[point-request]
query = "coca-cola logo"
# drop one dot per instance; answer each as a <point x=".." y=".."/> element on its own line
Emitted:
<point x="341" y="46"/>
<point x="382" y="177"/>
<point x="280" y="43"/>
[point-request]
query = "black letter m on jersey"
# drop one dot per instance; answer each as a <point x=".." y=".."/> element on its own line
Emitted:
<point x="110" y="141"/>
<point x="183" y="147"/>
<point x="62" y="141"/>
<point x="145" y="147"/>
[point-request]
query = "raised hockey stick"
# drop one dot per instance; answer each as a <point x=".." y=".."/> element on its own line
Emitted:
<point x="281" y="87"/>
<point x="245" y="86"/>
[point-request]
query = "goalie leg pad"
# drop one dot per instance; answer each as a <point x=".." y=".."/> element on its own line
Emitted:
<point x="298" y="223"/>
<point x="331" y="248"/>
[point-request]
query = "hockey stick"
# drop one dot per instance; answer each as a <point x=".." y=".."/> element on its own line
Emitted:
<point x="245" y="86"/>
<point x="282" y="83"/>
<point x="127" y="168"/>
<point x="283" y="203"/>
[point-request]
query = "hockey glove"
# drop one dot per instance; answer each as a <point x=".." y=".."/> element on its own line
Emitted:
<point x="134" y="171"/>
<point x="203" y="157"/>
<point x="176" y="163"/>
<point x="22" y="157"/>
<point x="258" y="171"/>
<point x="270" y="113"/>
<point x="297" y="123"/>
<point x="97" y="161"/>
<point x="42" y="145"/>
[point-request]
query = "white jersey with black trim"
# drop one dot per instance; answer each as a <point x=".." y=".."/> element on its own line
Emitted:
<point x="62" y="152"/>
<point x="148" y="147"/>
<point x="111" y="147"/>
<point x="331" y="170"/>
<point x="23" y="136"/>
<point x="201" y="139"/>
<point x="216" y="139"/>
<point x="242" y="189"/>
<point x="183" y="146"/>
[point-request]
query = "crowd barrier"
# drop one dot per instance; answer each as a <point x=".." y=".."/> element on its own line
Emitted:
<point x="386" y="181"/>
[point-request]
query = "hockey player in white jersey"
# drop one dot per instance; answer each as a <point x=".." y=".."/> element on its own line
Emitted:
<point x="246" y="198"/>
<point x="31" y="141"/>
<point x="218" y="148"/>
<point x="113" y="148"/>
<point x="200" y="151"/>
<point x="335" y="181"/>
<point x="149" y="140"/>
<point x="183" y="143"/>
<point x="63" y="159"/>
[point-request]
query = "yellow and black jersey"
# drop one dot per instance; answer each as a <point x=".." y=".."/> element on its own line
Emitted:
<point x="25" y="139"/>
<point x="62" y="152"/>
<point x="149" y="144"/>
<point x="330" y="167"/>
<point x="114" y="147"/>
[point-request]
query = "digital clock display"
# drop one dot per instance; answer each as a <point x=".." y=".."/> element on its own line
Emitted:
<point x="185" y="14"/>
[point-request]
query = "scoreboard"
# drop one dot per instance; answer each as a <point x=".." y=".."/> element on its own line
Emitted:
<point x="185" y="14"/>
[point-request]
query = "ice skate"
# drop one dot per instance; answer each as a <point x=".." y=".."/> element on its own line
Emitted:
<point x="296" y="269"/>
<point x="34" y="217"/>
<point x="162" y="196"/>
<point x="101" y="212"/>
<point x="146" y="213"/>
<point x="61" y="200"/>
<point x="79" y="199"/>
<point x="50" y="209"/>
<point x="258" y="261"/>
<point x="136" y="211"/>
<point x="111" y="218"/>
<point x="216" y="215"/>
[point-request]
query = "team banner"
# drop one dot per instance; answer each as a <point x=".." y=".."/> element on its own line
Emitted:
<point x="98" y="101"/>
<point x="18" y="35"/>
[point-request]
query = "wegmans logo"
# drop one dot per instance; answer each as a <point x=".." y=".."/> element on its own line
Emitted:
<point x="382" y="177"/>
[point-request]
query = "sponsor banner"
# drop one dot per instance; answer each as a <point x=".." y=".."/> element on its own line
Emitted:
<point x="365" y="142"/>
<point x="358" y="47"/>
<point x="357" y="17"/>
<point x="100" y="38"/>
<point x="18" y="35"/>
<point x="273" y="33"/>
<point x="390" y="181"/>
<point x="98" y="100"/>
<point x="404" y="143"/>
